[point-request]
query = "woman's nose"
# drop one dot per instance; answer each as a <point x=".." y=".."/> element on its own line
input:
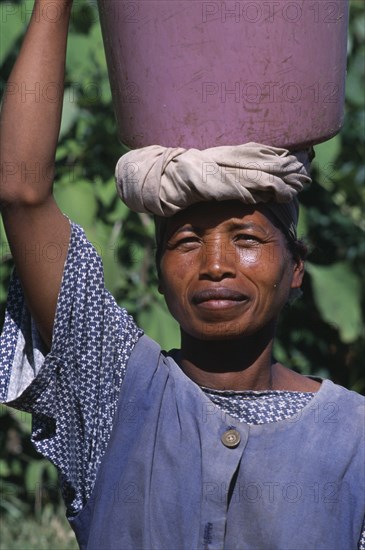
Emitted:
<point x="217" y="261"/>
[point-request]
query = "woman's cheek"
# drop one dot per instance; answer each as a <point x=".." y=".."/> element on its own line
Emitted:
<point x="174" y="266"/>
<point x="268" y="256"/>
<point x="249" y="256"/>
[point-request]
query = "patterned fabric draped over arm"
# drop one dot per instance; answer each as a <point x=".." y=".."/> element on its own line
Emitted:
<point x="73" y="390"/>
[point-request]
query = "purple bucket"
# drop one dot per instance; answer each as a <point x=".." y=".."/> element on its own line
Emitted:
<point x="203" y="74"/>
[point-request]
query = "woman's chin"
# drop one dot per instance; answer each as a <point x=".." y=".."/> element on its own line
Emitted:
<point x="216" y="332"/>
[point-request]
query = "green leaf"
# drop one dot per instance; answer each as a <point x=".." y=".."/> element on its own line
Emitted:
<point x="105" y="190"/>
<point x="77" y="201"/>
<point x="38" y="472"/>
<point x="355" y="79"/>
<point x="337" y="292"/>
<point x="13" y="18"/>
<point x="324" y="162"/>
<point x="302" y="229"/>
<point x="158" y="324"/>
<point x="85" y="56"/>
<point x="98" y="45"/>
<point x="119" y="213"/>
<point x="4" y="248"/>
<point x="78" y="61"/>
<point x="22" y="418"/>
<point x="4" y="469"/>
<point x="70" y="112"/>
<point x="33" y="475"/>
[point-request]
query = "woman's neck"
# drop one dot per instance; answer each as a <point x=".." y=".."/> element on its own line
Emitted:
<point x="239" y="364"/>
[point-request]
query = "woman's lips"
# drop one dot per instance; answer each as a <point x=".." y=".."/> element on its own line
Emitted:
<point x="218" y="298"/>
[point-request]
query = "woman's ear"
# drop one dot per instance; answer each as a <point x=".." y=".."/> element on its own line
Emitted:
<point x="298" y="274"/>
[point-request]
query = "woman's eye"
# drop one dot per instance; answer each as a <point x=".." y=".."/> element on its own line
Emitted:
<point x="188" y="240"/>
<point x="183" y="242"/>
<point x="247" y="238"/>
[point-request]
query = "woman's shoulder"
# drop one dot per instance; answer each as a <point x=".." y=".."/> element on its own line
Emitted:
<point x="289" y="380"/>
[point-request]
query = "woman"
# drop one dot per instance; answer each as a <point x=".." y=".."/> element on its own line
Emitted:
<point x="212" y="446"/>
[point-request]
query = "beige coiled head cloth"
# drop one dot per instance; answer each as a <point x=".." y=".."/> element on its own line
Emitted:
<point x="162" y="181"/>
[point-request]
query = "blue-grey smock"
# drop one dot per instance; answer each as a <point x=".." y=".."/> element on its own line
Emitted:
<point x="168" y="482"/>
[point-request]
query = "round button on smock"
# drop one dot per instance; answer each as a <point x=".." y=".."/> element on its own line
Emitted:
<point x="231" y="438"/>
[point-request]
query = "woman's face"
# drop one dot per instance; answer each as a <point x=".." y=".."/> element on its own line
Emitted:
<point x="226" y="271"/>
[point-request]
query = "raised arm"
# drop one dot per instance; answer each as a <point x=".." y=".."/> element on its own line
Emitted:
<point x="38" y="233"/>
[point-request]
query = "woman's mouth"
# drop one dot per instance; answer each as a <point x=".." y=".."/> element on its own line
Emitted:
<point x="218" y="298"/>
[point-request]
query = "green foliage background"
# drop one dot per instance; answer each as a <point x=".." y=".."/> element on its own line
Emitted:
<point x="321" y="334"/>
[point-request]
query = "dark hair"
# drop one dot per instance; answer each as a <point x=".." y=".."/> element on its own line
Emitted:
<point x="160" y="230"/>
<point x="297" y="248"/>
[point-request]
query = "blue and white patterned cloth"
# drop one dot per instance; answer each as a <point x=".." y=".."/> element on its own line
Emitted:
<point x="260" y="407"/>
<point x="73" y="390"/>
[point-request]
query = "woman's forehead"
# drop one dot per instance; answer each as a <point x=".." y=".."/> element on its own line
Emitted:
<point x="208" y="215"/>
